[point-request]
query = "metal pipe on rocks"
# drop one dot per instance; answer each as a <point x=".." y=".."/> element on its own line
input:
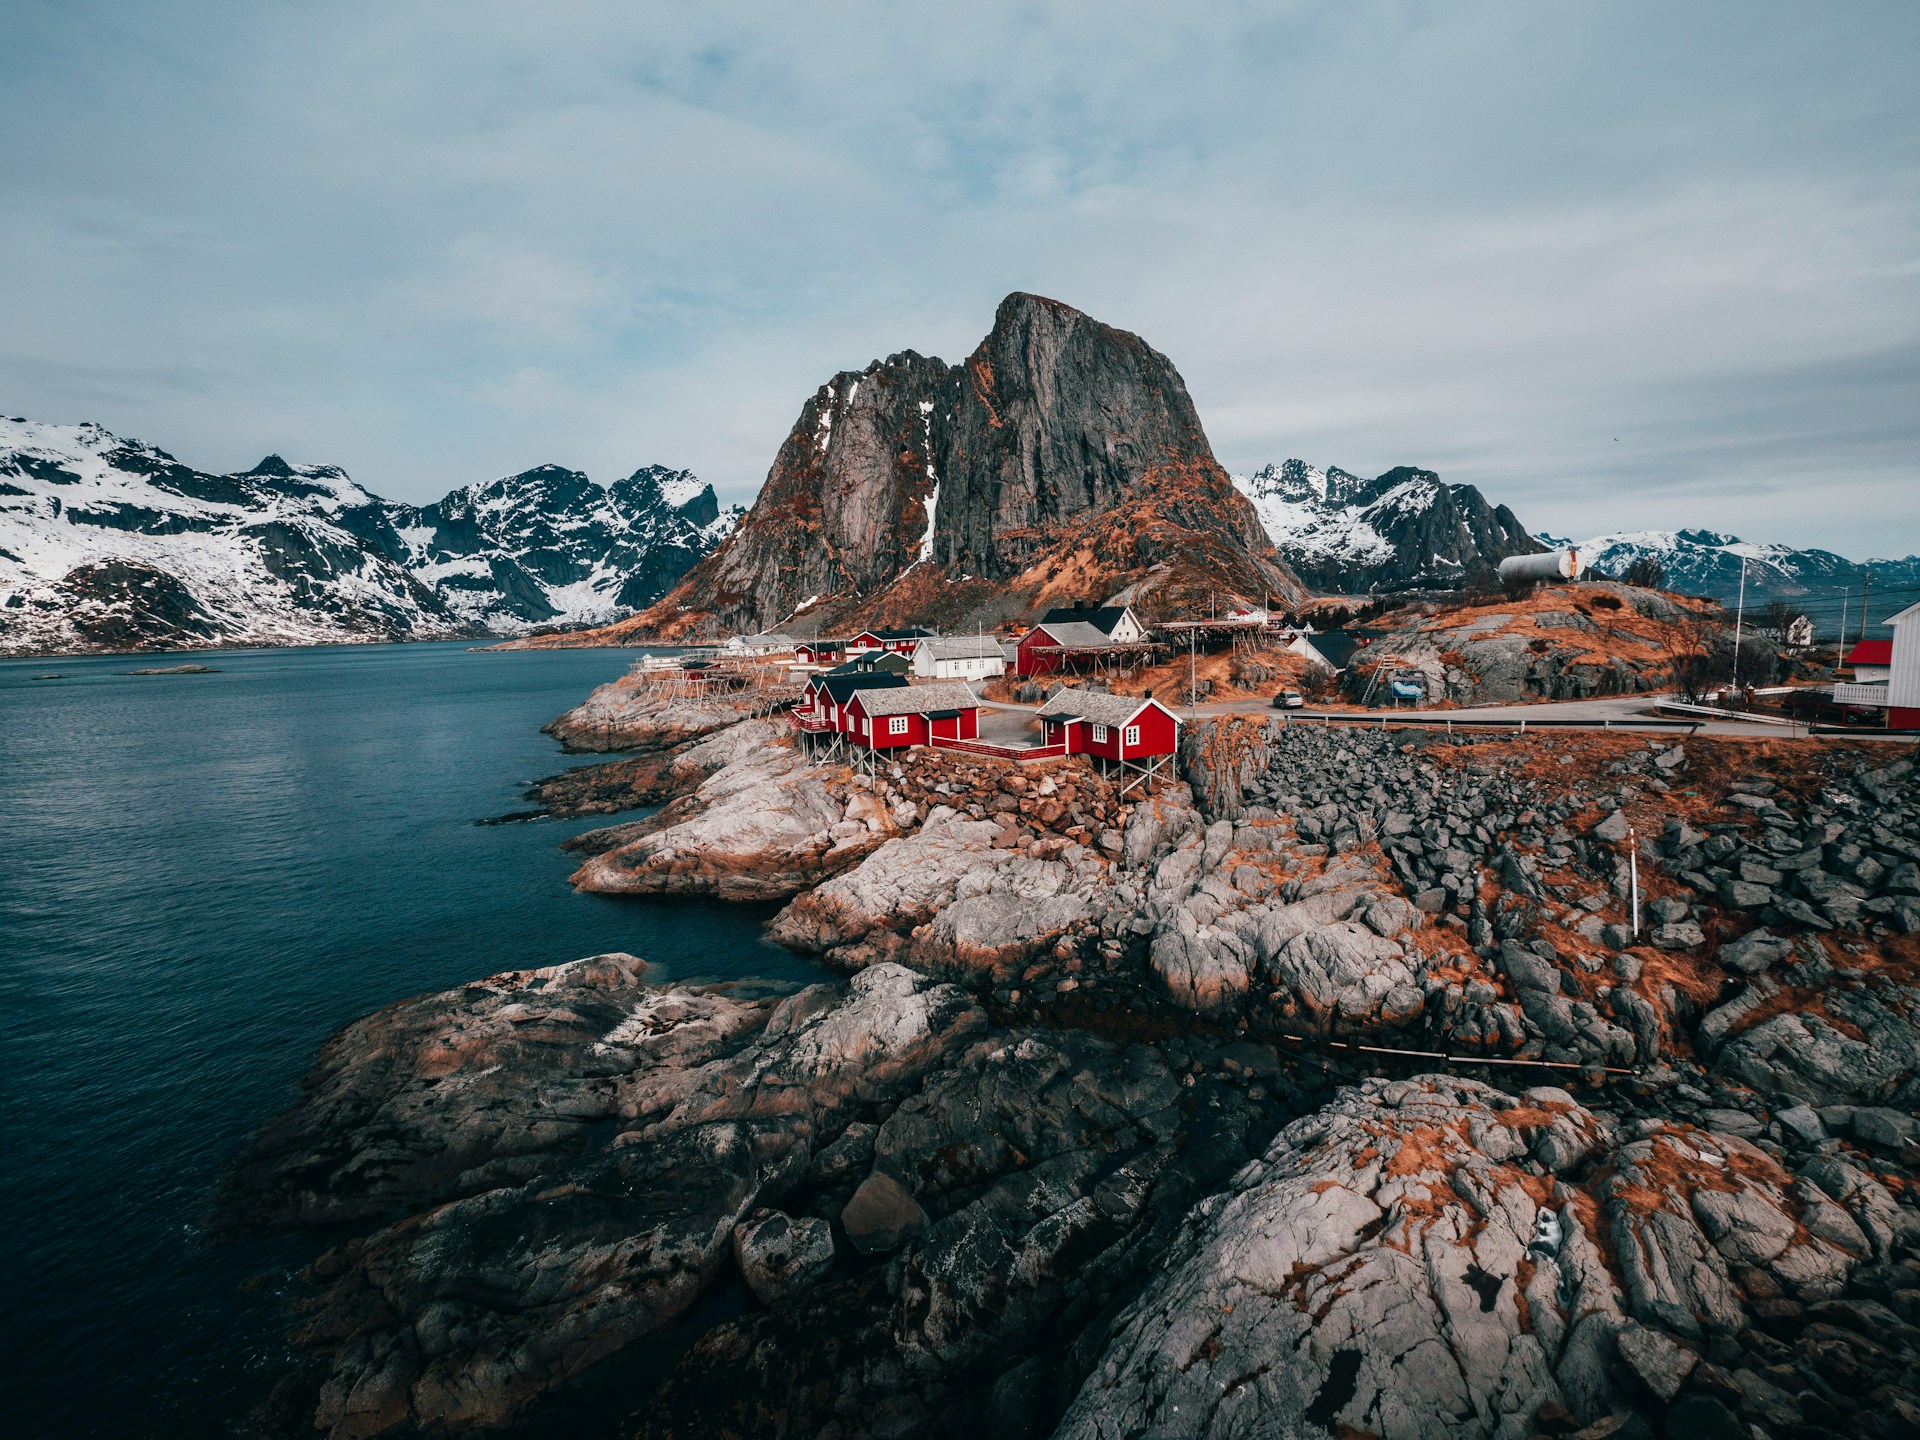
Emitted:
<point x="1549" y="566"/>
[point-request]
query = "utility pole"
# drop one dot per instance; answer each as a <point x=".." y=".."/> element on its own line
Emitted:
<point x="1633" y="872"/>
<point x="1866" y="589"/>
<point x="1840" y="647"/>
<point x="1739" y="619"/>
<point x="1193" y="681"/>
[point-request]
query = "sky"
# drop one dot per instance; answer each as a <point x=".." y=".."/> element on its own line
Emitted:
<point x="1621" y="265"/>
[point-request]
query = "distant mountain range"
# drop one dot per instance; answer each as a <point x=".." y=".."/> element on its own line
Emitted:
<point x="1707" y="562"/>
<point x="1403" y="530"/>
<point x="112" y="544"/>
<point x="1063" y="460"/>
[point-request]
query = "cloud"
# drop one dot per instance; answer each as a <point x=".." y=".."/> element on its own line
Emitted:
<point x="440" y="242"/>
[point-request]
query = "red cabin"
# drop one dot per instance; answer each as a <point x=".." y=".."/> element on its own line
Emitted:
<point x="899" y="642"/>
<point x="1124" y="729"/>
<point x="1057" y="644"/>
<point x="823" y="704"/>
<point x="820" y="652"/>
<point x="894" y="718"/>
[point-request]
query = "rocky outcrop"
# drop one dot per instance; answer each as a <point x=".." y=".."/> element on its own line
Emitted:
<point x="458" y="1315"/>
<point x="1031" y="1170"/>
<point x="637" y="713"/>
<point x="763" y="826"/>
<point x="848" y="501"/>
<point x="1433" y="1256"/>
<point x="1051" y="1169"/>
<point x="1562" y="643"/>
<point x="1063" y="458"/>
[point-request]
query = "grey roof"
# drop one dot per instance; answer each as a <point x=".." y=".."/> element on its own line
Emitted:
<point x="1101" y="617"/>
<point x="1096" y="705"/>
<point x="840" y="688"/>
<point x="962" y="647"/>
<point x="1079" y="635"/>
<point x="918" y="699"/>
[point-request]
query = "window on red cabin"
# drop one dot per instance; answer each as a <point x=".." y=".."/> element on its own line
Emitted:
<point x="897" y="725"/>
<point x="1130" y="736"/>
<point x="1099" y="734"/>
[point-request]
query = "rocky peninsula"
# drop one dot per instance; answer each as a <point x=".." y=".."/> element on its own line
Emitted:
<point x="1335" y="1088"/>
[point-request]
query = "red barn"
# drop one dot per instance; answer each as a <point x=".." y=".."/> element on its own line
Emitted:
<point x="1134" y="733"/>
<point x="892" y="719"/>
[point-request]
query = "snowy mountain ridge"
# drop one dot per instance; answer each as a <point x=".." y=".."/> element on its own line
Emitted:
<point x="108" y="543"/>
<point x="1707" y="562"/>
<point x="1400" y="530"/>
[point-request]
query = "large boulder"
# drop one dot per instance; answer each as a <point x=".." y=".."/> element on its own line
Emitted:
<point x="763" y="827"/>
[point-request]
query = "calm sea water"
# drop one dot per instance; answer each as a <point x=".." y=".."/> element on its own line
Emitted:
<point x="201" y="878"/>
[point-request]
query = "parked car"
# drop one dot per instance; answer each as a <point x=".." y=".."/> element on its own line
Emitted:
<point x="1288" y="700"/>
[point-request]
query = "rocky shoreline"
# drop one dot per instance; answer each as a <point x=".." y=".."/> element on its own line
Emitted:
<point x="1327" y="1091"/>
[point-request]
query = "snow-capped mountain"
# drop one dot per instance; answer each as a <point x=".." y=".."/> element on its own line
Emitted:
<point x="1398" y="531"/>
<point x="111" y="544"/>
<point x="1707" y="562"/>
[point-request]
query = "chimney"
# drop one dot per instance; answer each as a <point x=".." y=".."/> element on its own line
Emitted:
<point x="1146" y="694"/>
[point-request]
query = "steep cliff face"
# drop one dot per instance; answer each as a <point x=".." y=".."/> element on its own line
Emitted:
<point x="846" y="507"/>
<point x="1063" y="458"/>
<point x="1058" y="416"/>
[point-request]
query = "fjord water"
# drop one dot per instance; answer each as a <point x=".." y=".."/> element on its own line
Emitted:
<point x="201" y="878"/>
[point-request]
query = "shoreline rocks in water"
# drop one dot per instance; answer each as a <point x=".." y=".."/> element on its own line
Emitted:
<point x="1048" y="1162"/>
<point x="167" y="670"/>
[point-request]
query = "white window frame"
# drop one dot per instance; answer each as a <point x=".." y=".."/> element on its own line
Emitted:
<point x="1099" y="734"/>
<point x="1130" y="735"/>
<point x="896" y="724"/>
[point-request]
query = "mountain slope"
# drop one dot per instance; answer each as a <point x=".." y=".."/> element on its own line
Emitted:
<point x="1398" y="531"/>
<point x="1063" y="459"/>
<point x="113" y="544"/>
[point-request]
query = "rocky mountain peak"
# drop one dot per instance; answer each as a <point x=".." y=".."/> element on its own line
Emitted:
<point x="1061" y="450"/>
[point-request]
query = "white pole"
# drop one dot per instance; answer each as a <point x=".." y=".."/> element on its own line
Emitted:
<point x="1633" y="873"/>
<point x="1739" y="618"/>
<point x="1840" y="650"/>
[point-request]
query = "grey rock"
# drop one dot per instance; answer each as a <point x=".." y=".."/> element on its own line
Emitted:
<point x="1754" y="952"/>
<point x="882" y="1215"/>
<point x="780" y="1256"/>
<point x="1878" y="1125"/>
<point x="1661" y="1362"/>
<point x="1803" y="1123"/>
<point x="1613" y="829"/>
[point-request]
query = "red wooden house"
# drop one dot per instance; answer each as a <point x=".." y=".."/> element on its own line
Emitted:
<point x="892" y="719"/>
<point x="900" y="642"/>
<point x="1082" y="638"/>
<point x="1136" y="734"/>
<point x="820" y="652"/>
<point x="822" y="707"/>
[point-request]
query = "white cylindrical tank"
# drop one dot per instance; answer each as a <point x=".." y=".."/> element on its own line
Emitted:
<point x="1552" y="565"/>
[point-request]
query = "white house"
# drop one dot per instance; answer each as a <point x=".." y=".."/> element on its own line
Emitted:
<point x="959" y="657"/>
<point x="768" y="644"/>
<point x="1903" y="679"/>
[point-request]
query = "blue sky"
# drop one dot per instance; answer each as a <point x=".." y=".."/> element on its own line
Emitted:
<point x="1621" y="265"/>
